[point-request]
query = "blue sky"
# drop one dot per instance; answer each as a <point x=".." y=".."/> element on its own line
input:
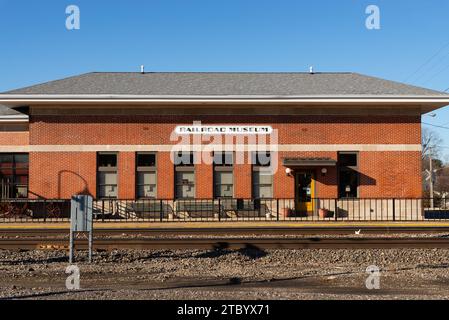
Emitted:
<point x="227" y="35"/>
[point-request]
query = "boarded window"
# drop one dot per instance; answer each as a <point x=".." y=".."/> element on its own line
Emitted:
<point x="185" y="184"/>
<point x="223" y="175"/>
<point x="184" y="175"/>
<point x="146" y="181"/>
<point x="262" y="184"/>
<point x="261" y="159"/>
<point x="107" y="175"/>
<point x="184" y="159"/>
<point x="262" y="176"/>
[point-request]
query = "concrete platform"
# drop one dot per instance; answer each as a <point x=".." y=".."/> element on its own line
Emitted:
<point x="229" y="225"/>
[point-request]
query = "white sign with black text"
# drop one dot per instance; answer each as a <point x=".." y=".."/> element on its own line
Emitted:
<point x="226" y="130"/>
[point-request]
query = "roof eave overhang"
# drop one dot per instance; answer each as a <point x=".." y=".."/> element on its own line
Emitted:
<point x="427" y="103"/>
<point x="7" y="119"/>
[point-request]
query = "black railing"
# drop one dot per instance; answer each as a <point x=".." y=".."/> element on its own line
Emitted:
<point x="10" y="189"/>
<point x="168" y="210"/>
<point x="26" y="210"/>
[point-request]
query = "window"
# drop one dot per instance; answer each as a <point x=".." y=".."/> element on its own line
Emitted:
<point x="261" y="159"/>
<point x="184" y="159"/>
<point x="225" y="159"/>
<point x="223" y="174"/>
<point x="262" y="176"/>
<point x="348" y="175"/>
<point x="14" y="175"/>
<point x="107" y="175"/>
<point x="347" y="160"/>
<point x="184" y="175"/>
<point x="107" y="160"/>
<point x="146" y="175"/>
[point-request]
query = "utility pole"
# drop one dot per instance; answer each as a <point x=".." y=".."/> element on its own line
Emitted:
<point x="431" y="180"/>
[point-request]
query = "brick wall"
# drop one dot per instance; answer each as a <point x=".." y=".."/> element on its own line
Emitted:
<point x="126" y="175"/>
<point x="384" y="174"/>
<point x="14" y="138"/>
<point x="165" y="176"/>
<point x="59" y="175"/>
<point x="390" y="174"/>
<point x="204" y="175"/>
<point x="125" y="130"/>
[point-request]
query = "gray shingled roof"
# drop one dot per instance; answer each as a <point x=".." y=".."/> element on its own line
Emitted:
<point x="226" y="84"/>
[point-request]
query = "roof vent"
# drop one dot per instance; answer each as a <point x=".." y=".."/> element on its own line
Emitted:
<point x="142" y="69"/>
<point x="311" y="70"/>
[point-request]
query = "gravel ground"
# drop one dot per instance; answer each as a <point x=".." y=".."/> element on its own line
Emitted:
<point x="228" y="274"/>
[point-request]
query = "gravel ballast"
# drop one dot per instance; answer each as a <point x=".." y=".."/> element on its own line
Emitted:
<point x="228" y="274"/>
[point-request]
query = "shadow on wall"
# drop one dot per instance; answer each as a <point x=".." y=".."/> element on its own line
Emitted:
<point x="332" y="180"/>
<point x="366" y="180"/>
<point x="84" y="190"/>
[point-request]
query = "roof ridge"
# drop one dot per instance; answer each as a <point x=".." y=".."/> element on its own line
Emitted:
<point x="220" y="72"/>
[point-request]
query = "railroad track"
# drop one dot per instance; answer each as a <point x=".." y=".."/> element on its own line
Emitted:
<point x="269" y="231"/>
<point x="230" y="243"/>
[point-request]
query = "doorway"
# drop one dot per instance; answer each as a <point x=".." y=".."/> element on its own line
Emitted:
<point x="304" y="192"/>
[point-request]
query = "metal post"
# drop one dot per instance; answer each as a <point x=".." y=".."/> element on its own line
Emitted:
<point x="336" y="209"/>
<point x="161" y="207"/>
<point x="394" y="209"/>
<point x="45" y="212"/>
<point x="90" y="222"/>
<point x="277" y="209"/>
<point x="81" y="222"/>
<point x="71" y="247"/>
<point x="90" y="245"/>
<point x="102" y="210"/>
<point x="431" y="180"/>
<point x="219" y="209"/>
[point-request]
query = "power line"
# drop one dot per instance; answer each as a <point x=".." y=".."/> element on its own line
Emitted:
<point x="427" y="61"/>
<point x="434" y="66"/>
<point x="442" y="147"/>
<point x="434" y="125"/>
<point x="436" y="74"/>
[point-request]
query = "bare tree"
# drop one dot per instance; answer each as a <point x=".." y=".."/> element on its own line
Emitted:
<point x="446" y="160"/>
<point x="442" y="181"/>
<point x="431" y="143"/>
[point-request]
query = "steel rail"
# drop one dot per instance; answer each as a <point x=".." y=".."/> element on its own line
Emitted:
<point x="17" y="232"/>
<point x="230" y="243"/>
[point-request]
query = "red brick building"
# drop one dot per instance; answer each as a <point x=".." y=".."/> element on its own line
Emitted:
<point x="339" y="135"/>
